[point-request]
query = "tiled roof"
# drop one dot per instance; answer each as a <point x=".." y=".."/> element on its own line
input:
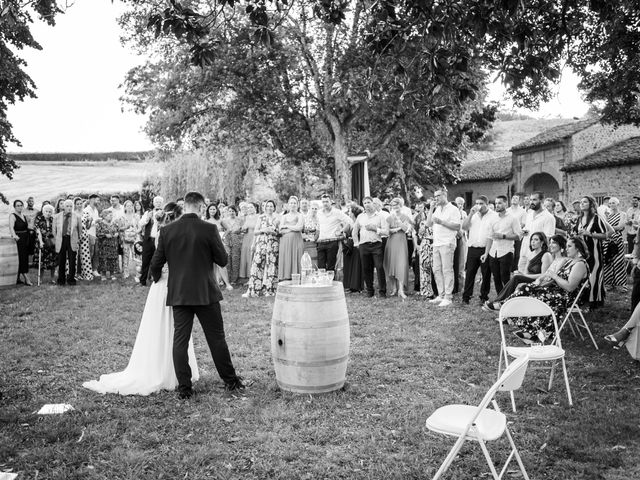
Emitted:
<point x="556" y="134"/>
<point x="497" y="168"/>
<point x="626" y="152"/>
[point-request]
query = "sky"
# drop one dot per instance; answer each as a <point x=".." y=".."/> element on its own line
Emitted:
<point x="77" y="74"/>
<point x="567" y="101"/>
<point x="81" y="66"/>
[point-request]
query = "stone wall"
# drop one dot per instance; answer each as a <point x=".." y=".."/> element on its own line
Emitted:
<point x="620" y="182"/>
<point x="597" y="137"/>
<point x="547" y="160"/>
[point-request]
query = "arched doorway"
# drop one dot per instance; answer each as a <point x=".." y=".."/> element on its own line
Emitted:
<point x="542" y="182"/>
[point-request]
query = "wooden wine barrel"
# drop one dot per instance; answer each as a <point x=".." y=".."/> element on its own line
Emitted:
<point x="8" y="262"/>
<point x="310" y="337"/>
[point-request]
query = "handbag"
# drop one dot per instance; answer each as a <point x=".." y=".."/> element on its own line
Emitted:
<point x="610" y="251"/>
<point x="130" y="235"/>
<point x="49" y="242"/>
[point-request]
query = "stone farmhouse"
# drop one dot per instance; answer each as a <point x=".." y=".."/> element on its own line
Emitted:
<point x="578" y="158"/>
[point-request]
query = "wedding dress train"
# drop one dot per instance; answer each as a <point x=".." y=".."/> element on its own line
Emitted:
<point x="150" y="367"/>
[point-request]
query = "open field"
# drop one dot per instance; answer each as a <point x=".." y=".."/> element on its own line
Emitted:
<point x="407" y="359"/>
<point x="47" y="180"/>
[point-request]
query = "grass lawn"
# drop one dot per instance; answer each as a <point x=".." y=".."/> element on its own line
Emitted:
<point x="407" y="359"/>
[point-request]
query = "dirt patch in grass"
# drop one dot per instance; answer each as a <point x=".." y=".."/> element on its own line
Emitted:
<point x="407" y="359"/>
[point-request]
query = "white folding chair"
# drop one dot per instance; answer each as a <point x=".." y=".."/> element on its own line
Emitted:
<point x="532" y="307"/>
<point x="480" y="423"/>
<point x="575" y="319"/>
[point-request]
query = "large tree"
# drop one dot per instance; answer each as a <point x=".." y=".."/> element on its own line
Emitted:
<point x="420" y="55"/>
<point x="319" y="87"/>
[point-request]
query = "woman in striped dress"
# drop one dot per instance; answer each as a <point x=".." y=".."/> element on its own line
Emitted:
<point x="615" y="270"/>
<point x="593" y="231"/>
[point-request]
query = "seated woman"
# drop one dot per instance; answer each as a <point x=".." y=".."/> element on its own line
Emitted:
<point x="545" y="253"/>
<point x="629" y="335"/>
<point x="558" y="290"/>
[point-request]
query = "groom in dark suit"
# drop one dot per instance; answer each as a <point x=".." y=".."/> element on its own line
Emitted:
<point x="191" y="246"/>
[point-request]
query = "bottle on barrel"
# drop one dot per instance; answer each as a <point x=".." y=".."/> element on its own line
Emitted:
<point x="306" y="265"/>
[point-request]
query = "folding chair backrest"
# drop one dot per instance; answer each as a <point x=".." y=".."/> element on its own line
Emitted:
<point x="528" y="307"/>
<point x="575" y="303"/>
<point x="511" y="379"/>
<point x="525" y="307"/>
<point x="513" y="376"/>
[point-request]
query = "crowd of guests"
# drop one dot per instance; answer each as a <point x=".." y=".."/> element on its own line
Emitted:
<point x="76" y="238"/>
<point x="527" y="245"/>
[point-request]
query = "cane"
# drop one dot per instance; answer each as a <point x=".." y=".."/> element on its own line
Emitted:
<point x="39" y="264"/>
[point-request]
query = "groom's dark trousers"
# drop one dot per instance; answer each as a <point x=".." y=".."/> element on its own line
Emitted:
<point x="211" y="320"/>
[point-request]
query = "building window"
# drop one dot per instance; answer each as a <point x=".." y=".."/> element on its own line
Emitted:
<point x="468" y="200"/>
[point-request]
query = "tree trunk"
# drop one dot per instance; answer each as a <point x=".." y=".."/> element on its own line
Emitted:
<point x="342" y="180"/>
<point x="342" y="168"/>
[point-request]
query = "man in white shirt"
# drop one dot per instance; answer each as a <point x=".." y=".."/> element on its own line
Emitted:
<point x="504" y="230"/>
<point x="367" y="231"/>
<point x="444" y="218"/>
<point x="477" y="224"/>
<point x="92" y="211"/>
<point x="331" y="222"/>
<point x="515" y="210"/>
<point x="538" y="220"/>
<point x="304" y="207"/>
<point x="116" y="208"/>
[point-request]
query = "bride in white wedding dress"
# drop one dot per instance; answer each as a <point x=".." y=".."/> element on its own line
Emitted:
<point x="150" y="367"/>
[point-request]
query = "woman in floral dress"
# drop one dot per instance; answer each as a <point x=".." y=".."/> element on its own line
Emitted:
<point x="232" y="225"/>
<point x="615" y="270"/>
<point x="46" y="242"/>
<point x="558" y="290"/>
<point x="424" y="248"/>
<point x="310" y="233"/>
<point x="263" y="279"/>
<point x="129" y="232"/>
<point x="107" y="235"/>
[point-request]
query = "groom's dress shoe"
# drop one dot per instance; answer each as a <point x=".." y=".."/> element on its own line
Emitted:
<point x="185" y="393"/>
<point x="235" y="386"/>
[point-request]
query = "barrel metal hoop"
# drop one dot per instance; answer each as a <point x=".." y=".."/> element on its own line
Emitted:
<point x="305" y="299"/>
<point x="311" y="389"/>
<point x="320" y="363"/>
<point x="309" y="325"/>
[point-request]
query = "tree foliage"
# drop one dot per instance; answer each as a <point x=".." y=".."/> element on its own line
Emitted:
<point x="320" y="90"/>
